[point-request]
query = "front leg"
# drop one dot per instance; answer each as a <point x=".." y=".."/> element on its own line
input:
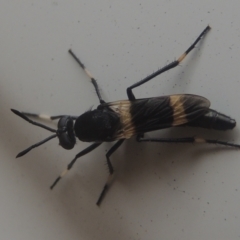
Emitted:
<point x="93" y="80"/>
<point x="70" y="165"/>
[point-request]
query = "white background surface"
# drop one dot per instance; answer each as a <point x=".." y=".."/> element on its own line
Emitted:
<point x="161" y="191"/>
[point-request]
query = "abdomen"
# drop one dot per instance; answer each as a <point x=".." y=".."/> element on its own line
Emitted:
<point x="214" y="120"/>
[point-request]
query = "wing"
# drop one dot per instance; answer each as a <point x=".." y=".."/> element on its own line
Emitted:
<point x="149" y="114"/>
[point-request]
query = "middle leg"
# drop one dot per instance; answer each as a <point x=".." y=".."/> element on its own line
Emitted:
<point x="110" y="168"/>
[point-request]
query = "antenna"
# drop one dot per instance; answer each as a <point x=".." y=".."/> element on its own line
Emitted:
<point x="21" y="115"/>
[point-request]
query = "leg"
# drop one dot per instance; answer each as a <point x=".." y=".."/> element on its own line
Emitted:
<point x="69" y="166"/>
<point x="110" y="168"/>
<point x="93" y="80"/>
<point x="188" y="140"/>
<point x="168" y="67"/>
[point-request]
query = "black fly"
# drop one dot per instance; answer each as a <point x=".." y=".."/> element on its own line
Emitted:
<point x="120" y="120"/>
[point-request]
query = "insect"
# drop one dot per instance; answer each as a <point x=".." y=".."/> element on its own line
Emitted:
<point x="121" y="120"/>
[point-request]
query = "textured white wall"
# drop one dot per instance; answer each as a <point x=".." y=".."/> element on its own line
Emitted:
<point x="161" y="191"/>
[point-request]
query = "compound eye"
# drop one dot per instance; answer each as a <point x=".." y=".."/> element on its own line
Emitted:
<point x="66" y="135"/>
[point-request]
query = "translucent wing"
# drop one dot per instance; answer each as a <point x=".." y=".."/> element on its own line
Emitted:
<point x="149" y="114"/>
